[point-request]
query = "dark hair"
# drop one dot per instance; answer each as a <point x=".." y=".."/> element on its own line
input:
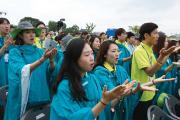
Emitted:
<point x="147" y="28"/>
<point x="160" y="43"/>
<point x="84" y="33"/>
<point x="60" y="37"/>
<point x="173" y="56"/>
<point x="4" y="19"/>
<point x="18" y="39"/>
<point x="93" y="37"/>
<point x="100" y="59"/>
<point x="119" y="31"/>
<point x="178" y="52"/>
<point x="48" y="33"/>
<point x="130" y="34"/>
<point x="71" y="69"/>
<point x="39" y="23"/>
<point x="101" y="34"/>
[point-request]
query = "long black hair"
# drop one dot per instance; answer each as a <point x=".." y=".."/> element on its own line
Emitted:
<point x="174" y="55"/>
<point x="103" y="51"/>
<point x="71" y="69"/>
<point x="93" y="37"/>
<point x="18" y="39"/>
<point x="160" y="43"/>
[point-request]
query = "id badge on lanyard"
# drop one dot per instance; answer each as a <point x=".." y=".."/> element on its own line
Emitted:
<point x="151" y="63"/>
<point x="151" y="78"/>
<point x="6" y="57"/>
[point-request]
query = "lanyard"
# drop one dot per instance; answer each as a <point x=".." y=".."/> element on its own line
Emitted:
<point x="150" y="58"/>
<point x="41" y="43"/>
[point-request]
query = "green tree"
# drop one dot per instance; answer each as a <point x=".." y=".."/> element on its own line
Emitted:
<point x="72" y="30"/>
<point x="64" y="26"/>
<point x="90" y="27"/>
<point x="52" y="25"/>
<point x="33" y="21"/>
<point x="134" y="29"/>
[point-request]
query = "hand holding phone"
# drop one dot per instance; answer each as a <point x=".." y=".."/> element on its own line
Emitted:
<point x="50" y="44"/>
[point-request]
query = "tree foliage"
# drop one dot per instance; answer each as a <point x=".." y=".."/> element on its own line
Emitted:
<point x="90" y="27"/>
<point x="134" y="29"/>
<point x="52" y="26"/>
<point x="33" y="21"/>
<point x="72" y="30"/>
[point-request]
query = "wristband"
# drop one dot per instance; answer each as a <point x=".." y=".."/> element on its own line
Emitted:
<point x="103" y="103"/>
<point x="159" y="62"/>
<point x="40" y="60"/>
<point x="153" y="82"/>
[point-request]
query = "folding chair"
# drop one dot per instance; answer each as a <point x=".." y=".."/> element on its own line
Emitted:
<point x="37" y="113"/>
<point x="155" y="113"/>
<point x="3" y="95"/>
<point x="172" y="105"/>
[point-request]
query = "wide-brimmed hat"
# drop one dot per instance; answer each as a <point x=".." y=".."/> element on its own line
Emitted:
<point x="25" y="25"/>
<point x="65" y="41"/>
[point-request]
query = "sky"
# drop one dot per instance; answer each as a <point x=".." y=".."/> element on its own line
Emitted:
<point x="103" y="13"/>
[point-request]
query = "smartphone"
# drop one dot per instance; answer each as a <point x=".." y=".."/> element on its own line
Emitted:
<point x="50" y="44"/>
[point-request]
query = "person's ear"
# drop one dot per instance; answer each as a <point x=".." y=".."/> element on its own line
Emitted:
<point x="146" y="35"/>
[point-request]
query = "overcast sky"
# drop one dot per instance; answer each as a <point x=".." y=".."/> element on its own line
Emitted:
<point x="104" y="13"/>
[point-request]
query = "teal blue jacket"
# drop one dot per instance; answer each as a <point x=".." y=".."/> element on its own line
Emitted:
<point x="4" y="64"/>
<point x="177" y="87"/>
<point x="124" y="54"/>
<point x="39" y="88"/>
<point x="58" y="61"/>
<point x="123" y="110"/>
<point x="166" y="87"/>
<point x="64" y="107"/>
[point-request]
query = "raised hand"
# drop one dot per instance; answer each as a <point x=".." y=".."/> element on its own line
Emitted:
<point x="129" y="87"/>
<point x="176" y="49"/>
<point x="158" y="80"/>
<point x="107" y="96"/>
<point x="177" y="64"/>
<point x="164" y="52"/>
<point x="119" y="91"/>
<point x="147" y="88"/>
<point x="50" y="53"/>
<point x="54" y="52"/>
<point x="8" y="42"/>
<point x="142" y="87"/>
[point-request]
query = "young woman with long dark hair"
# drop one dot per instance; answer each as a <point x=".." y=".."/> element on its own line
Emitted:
<point x="78" y="94"/>
<point x="168" y="69"/>
<point x="111" y="74"/>
<point x="94" y="42"/>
